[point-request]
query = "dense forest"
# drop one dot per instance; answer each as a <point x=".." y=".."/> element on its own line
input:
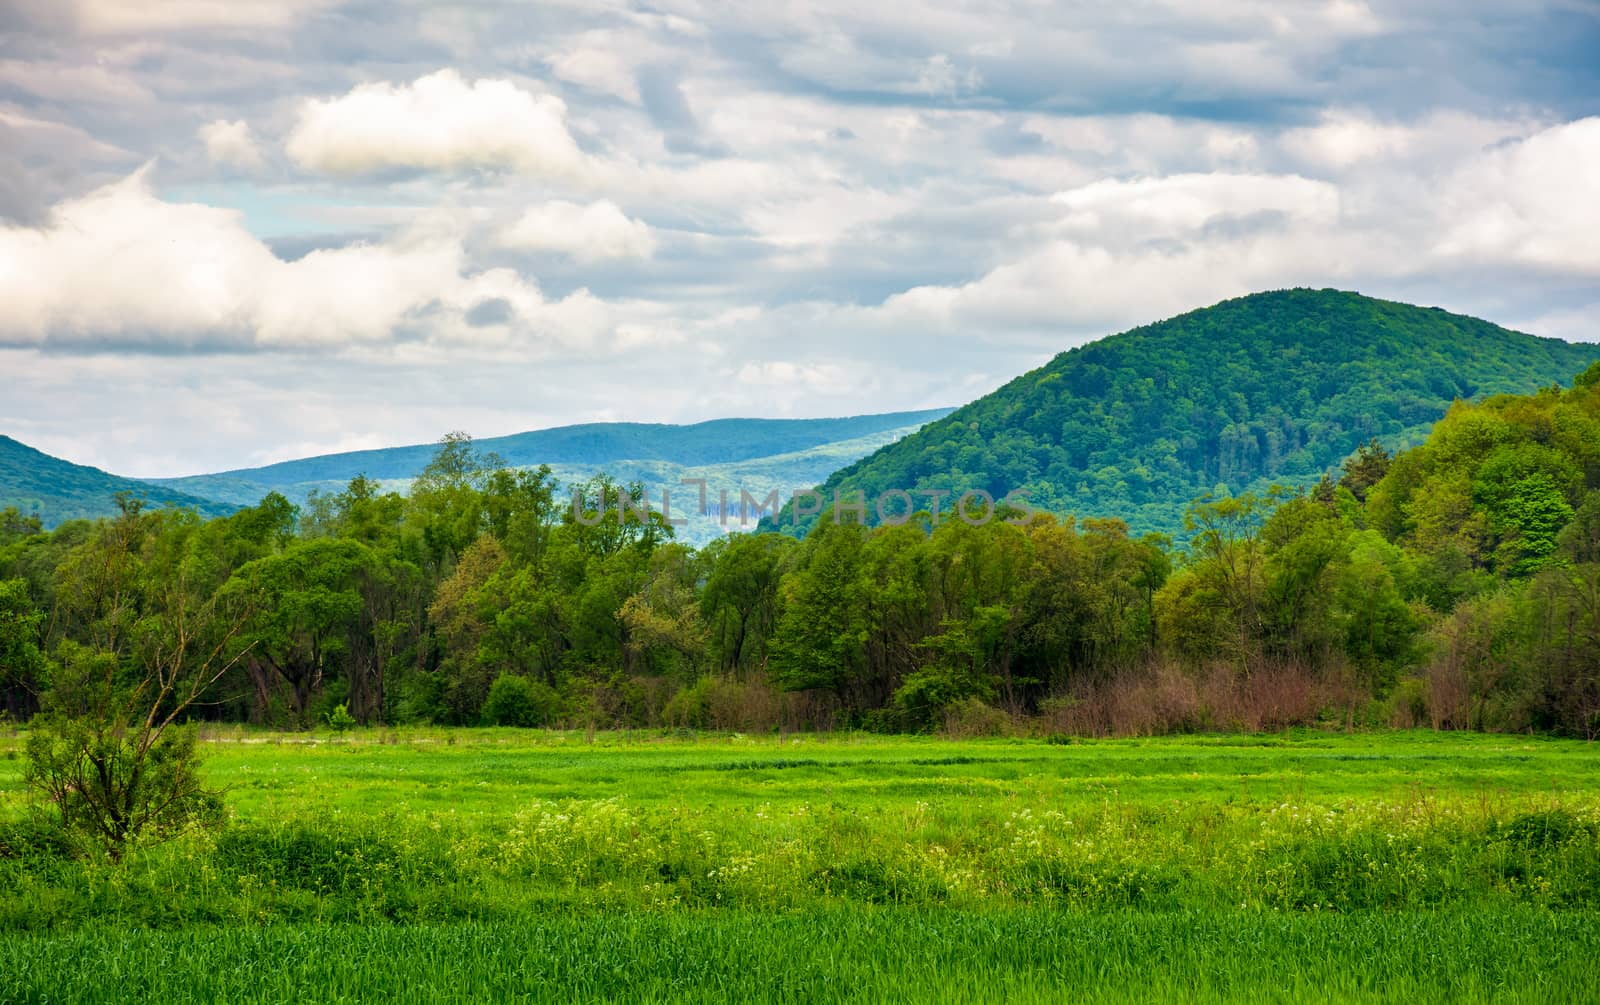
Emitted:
<point x="1274" y="387"/>
<point x="1456" y="584"/>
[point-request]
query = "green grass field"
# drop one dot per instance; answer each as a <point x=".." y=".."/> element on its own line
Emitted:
<point x="469" y="865"/>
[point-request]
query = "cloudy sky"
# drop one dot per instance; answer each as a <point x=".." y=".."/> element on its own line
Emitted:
<point x="235" y="231"/>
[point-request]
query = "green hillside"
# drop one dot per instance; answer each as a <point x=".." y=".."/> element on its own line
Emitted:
<point x="1272" y="387"/>
<point x="55" y="490"/>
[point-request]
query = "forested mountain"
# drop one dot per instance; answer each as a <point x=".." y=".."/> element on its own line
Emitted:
<point x="585" y="447"/>
<point x="1273" y="387"/>
<point x="1455" y="583"/>
<point x="54" y="490"/>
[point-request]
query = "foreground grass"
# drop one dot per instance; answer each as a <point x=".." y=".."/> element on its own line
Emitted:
<point x="438" y="865"/>
<point x="858" y="955"/>
<point x="444" y="827"/>
<point x="432" y="772"/>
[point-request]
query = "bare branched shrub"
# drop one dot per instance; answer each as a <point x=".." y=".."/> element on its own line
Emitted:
<point x="1164" y="698"/>
<point x="809" y="711"/>
<point x="751" y="705"/>
<point x="1158" y="699"/>
<point x="1449" y="694"/>
<point x="1275" y="697"/>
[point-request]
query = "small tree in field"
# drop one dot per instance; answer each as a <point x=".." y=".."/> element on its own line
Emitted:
<point x="111" y="752"/>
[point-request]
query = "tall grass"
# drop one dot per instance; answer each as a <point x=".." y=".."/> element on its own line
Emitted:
<point x="857" y="955"/>
<point x="374" y="832"/>
<point x="503" y="864"/>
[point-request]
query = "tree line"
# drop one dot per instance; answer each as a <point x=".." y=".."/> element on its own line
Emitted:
<point x="1455" y="585"/>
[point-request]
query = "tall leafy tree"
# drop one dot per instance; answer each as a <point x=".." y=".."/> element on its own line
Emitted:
<point x="24" y="671"/>
<point x="303" y="603"/>
<point x="740" y="601"/>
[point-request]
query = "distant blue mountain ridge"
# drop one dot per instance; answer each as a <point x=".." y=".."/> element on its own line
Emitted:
<point x="758" y="454"/>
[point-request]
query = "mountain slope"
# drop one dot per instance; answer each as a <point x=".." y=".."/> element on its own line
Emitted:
<point x="1277" y="386"/>
<point x="55" y="490"/>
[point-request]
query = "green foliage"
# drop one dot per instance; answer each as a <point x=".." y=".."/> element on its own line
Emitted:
<point x="740" y="600"/>
<point x="340" y="720"/>
<point x="111" y="754"/>
<point x="955" y="671"/>
<point x="517" y="701"/>
<point x="14" y="526"/>
<point x="1364" y="469"/>
<point x="302" y="603"/>
<point x="24" y="671"/>
<point x="821" y="633"/>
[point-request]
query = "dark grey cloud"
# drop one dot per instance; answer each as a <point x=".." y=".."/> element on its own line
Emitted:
<point x="1482" y="56"/>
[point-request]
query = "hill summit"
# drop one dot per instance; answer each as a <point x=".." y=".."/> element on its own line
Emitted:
<point x="1272" y="387"/>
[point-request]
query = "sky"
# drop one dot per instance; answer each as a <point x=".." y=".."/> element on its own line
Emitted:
<point x="240" y="231"/>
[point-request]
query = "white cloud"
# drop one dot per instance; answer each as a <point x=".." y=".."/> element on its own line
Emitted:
<point x="120" y="267"/>
<point x="129" y="17"/>
<point x="939" y="76"/>
<point x="589" y="233"/>
<point x="599" y="69"/>
<point x="440" y="122"/>
<point x="1145" y="143"/>
<point x="1347" y="139"/>
<point x="1342" y="139"/>
<point x="786" y="387"/>
<point x="1575" y="324"/>
<point x="1535" y="202"/>
<point x="781" y="373"/>
<point x="1075" y="286"/>
<point x="1118" y="210"/>
<point x="231" y="143"/>
<point x="1130" y="251"/>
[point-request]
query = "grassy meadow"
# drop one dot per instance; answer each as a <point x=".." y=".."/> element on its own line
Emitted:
<point x="445" y="865"/>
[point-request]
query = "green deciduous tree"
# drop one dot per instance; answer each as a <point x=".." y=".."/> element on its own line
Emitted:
<point x="24" y="671"/>
<point x="301" y="604"/>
